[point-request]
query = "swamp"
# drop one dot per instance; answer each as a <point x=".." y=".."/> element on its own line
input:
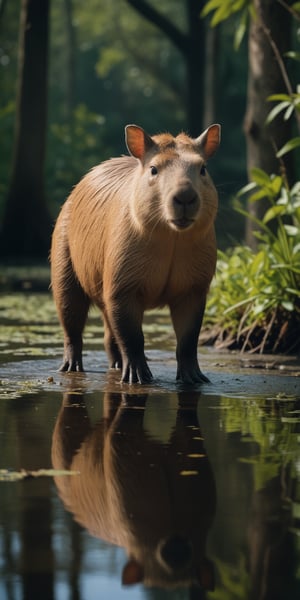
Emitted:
<point x="129" y="491"/>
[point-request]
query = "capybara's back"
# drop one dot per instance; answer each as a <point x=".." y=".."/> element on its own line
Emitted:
<point x="137" y="232"/>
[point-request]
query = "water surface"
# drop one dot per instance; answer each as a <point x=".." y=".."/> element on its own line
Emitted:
<point x="170" y="492"/>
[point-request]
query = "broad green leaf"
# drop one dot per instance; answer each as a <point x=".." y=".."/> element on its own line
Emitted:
<point x="276" y="110"/>
<point x="289" y="306"/>
<point x="223" y="9"/>
<point x="273" y="212"/>
<point x="279" y="97"/>
<point x="290" y="145"/>
<point x="276" y="184"/>
<point x="235" y="262"/>
<point x="260" y="177"/>
<point x="262" y="193"/>
<point x="221" y="14"/>
<point x="239" y="304"/>
<point x="258" y="262"/>
<point x="284" y="198"/>
<point x="247" y="188"/>
<point x="292" y="54"/>
<point x="291" y="230"/>
<point x="209" y="6"/>
<point x="288" y="113"/>
<point x="296" y="6"/>
<point x="296" y="189"/>
<point x="260" y="308"/>
<point x="241" y="30"/>
<point x="292" y="291"/>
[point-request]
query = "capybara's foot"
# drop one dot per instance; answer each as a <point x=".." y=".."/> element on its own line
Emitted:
<point x="190" y="373"/>
<point x="71" y="366"/>
<point x="72" y="359"/>
<point x="136" y="371"/>
<point x="115" y="360"/>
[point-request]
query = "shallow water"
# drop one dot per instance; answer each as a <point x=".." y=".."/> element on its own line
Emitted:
<point x="170" y="492"/>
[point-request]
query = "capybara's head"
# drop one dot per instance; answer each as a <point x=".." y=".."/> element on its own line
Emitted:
<point x="173" y="187"/>
<point x="175" y="563"/>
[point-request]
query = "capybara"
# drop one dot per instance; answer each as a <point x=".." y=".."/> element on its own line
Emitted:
<point x="137" y="232"/>
<point x="155" y="498"/>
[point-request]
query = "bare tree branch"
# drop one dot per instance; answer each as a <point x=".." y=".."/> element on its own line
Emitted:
<point x="159" y="20"/>
<point x="290" y="9"/>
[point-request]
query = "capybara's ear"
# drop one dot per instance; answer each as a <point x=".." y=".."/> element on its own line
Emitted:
<point x="208" y="142"/>
<point x="132" y="573"/>
<point x="138" y="141"/>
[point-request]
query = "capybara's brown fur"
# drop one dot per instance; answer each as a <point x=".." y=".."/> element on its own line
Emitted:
<point x="137" y="232"/>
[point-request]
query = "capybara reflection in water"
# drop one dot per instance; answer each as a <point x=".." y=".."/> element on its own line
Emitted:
<point x="154" y="497"/>
<point x="137" y="232"/>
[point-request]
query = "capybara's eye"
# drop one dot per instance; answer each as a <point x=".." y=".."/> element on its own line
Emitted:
<point x="203" y="170"/>
<point x="153" y="170"/>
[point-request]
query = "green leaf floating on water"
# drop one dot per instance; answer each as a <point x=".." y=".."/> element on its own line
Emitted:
<point x="6" y="475"/>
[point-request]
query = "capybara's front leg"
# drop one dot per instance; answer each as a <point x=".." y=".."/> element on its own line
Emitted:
<point x="126" y="323"/>
<point x="187" y="315"/>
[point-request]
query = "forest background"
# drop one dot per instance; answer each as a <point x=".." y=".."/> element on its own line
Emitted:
<point x="73" y="74"/>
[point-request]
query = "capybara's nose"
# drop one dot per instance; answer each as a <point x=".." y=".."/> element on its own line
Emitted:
<point x="185" y="196"/>
<point x="176" y="552"/>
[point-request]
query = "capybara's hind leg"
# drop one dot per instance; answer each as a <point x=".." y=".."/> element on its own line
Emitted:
<point x="73" y="317"/>
<point x="72" y="306"/>
<point x="111" y="346"/>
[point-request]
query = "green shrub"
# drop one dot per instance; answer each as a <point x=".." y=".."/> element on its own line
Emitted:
<point x="254" y="302"/>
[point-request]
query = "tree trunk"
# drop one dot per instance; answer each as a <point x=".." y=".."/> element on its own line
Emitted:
<point x="265" y="79"/>
<point x="26" y="226"/>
